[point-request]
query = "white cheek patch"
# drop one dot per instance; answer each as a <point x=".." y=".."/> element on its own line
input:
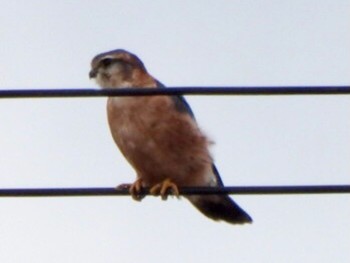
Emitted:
<point x="111" y="77"/>
<point x="102" y="81"/>
<point x="115" y="69"/>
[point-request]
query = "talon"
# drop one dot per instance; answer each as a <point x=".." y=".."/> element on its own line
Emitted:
<point x="135" y="189"/>
<point x="164" y="188"/>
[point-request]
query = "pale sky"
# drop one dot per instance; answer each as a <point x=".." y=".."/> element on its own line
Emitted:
<point x="276" y="140"/>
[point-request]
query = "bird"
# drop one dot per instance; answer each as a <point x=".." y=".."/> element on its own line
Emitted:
<point x="160" y="138"/>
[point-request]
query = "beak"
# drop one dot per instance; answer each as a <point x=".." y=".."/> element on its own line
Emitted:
<point x="93" y="73"/>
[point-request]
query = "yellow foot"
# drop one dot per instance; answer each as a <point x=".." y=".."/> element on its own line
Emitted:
<point x="164" y="188"/>
<point x="135" y="189"/>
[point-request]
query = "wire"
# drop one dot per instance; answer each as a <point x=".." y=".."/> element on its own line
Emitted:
<point x="240" y="190"/>
<point x="249" y="90"/>
<point x="287" y="90"/>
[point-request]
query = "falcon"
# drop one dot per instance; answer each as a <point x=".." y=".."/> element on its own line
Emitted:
<point x="160" y="138"/>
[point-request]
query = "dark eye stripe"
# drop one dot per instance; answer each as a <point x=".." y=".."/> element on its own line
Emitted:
<point x="106" y="62"/>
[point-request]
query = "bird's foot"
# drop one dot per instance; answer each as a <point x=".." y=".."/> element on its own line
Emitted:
<point x="164" y="189"/>
<point x="135" y="189"/>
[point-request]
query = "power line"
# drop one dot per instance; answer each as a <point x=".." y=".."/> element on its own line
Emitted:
<point x="235" y="190"/>
<point x="248" y="90"/>
<point x="239" y="90"/>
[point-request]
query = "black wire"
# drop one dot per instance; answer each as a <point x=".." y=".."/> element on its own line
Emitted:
<point x="249" y="90"/>
<point x="236" y="190"/>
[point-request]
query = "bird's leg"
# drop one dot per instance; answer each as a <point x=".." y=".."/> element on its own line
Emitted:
<point x="135" y="189"/>
<point x="163" y="188"/>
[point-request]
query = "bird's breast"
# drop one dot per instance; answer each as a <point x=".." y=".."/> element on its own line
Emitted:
<point x="158" y="141"/>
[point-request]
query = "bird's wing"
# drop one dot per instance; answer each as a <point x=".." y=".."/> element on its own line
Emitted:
<point x="180" y="102"/>
<point x="182" y="106"/>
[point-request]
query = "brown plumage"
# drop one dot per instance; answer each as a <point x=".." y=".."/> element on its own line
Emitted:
<point x="159" y="137"/>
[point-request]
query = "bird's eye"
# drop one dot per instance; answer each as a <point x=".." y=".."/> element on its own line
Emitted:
<point x="106" y="62"/>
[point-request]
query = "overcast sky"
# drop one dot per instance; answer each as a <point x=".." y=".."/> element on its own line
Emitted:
<point x="276" y="140"/>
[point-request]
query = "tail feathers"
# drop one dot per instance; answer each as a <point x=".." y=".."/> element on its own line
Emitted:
<point x="220" y="207"/>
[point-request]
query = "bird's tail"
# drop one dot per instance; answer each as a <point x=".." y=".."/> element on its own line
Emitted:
<point x="220" y="207"/>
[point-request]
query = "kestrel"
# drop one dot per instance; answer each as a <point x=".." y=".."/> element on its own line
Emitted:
<point x="160" y="137"/>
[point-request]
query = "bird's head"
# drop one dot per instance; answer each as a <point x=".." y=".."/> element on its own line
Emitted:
<point x="117" y="69"/>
